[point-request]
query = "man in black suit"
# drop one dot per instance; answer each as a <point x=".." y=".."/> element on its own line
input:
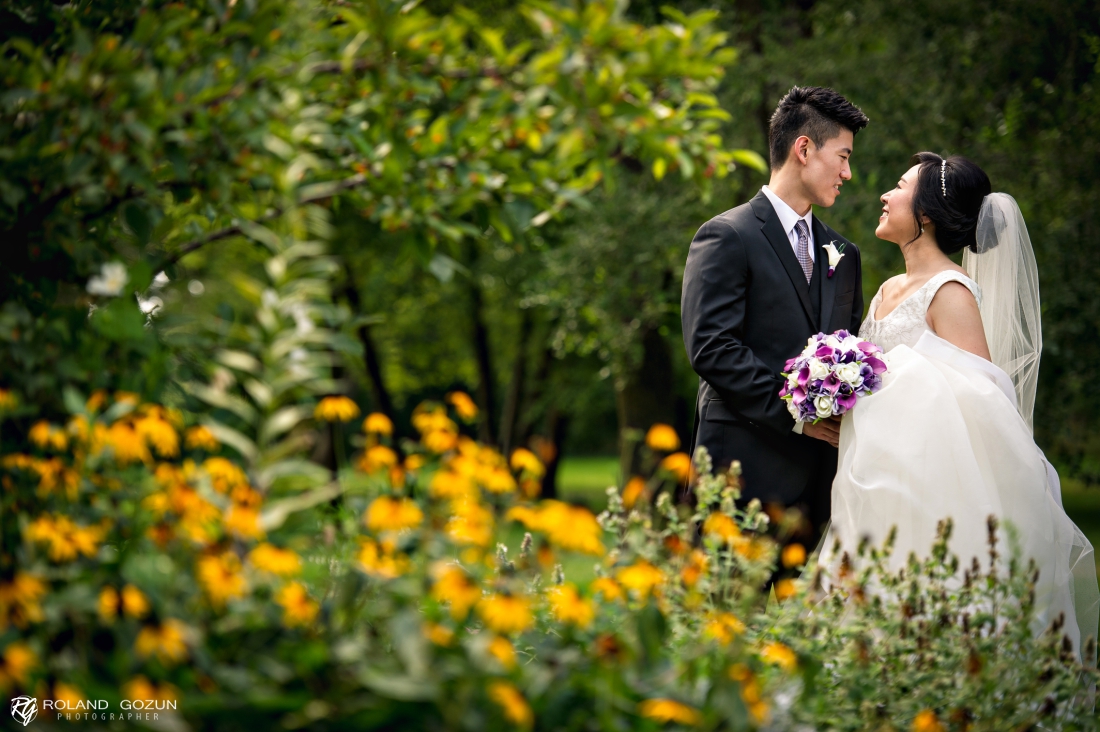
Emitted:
<point x="756" y="286"/>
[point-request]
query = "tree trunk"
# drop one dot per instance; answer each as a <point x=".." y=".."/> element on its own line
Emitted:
<point x="483" y="355"/>
<point x="557" y="425"/>
<point x="379" y="394"/>
<point x="512" y="399"/>
<point x="644" y="398"/>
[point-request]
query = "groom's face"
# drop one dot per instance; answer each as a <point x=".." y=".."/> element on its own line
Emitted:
<point x="827" y="168"/>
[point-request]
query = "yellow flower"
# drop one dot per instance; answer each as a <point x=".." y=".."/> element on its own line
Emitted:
<point x="224" y="475"/>
<point x="438" y="634"/>
<point x="19" y="659"/>
<point x="244" y="523"/>
<point x="448" y="484"/>
<point x="695" y="568"/>
<point x="668" y="710"/>
<point x="607" y="587"/>
<point x="679" y="464"/>
<point x="166" y="641"/>
<point x="67" y="695"/>
<point x="336" y="409"/>
<point x="662" y="437"/>
<point x="633" y="490"/>
<point x="471" y="524"/>
<point x="722" y="526"/>
<point x="568" y="527"/>
<point x="393" y="514"/>
<point x="127" y="445"/>
<point x="750" y="692"/>
<point x="452" y="585"/>
<point x="127" y="397"/>
<point x="794" y="555"/>
<point x="66" y="539"/>
<point x="463" y="405"/>
<point x="134" y="603"/>
<point x="378" y="561"/>
<point x="8" y="400"/>
<point x="97" y="399"/>
<point x="414" y="462"/>
<point x="512" y="702"/>
<point x="378" y="424"/>
<point x="641" y="577"/>
<point x="569" y="607"/>
<point x="506" y="614"/>
<point x="46" y="435"/>
<point x="780" y="655"/>
<point x="440" y="441"/>
<point x="201" y="438"/>
<point x="269" y="558"/>
<point x="927" y="721"/>
<point x="108" y="604"/>
<point x="723" y="627"/>
<point x="220" y="575"/>
<point x="19" y="600"/>
<point x="140" y="687"/>
<point x="785" y="589"/>
<point x="377" y="458"/>
<point x="503" y="651"/>
<point x="298" y="607"/>
<point x="524" y="459"/>
<point x="160" y="434"/>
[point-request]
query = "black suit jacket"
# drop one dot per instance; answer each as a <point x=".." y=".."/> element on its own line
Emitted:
<point x="746" y="309"/>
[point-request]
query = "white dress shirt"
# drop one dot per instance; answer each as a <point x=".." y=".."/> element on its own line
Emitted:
<point x="788" y="218"/>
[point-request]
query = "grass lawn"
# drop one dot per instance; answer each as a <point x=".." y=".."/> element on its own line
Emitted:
<point x="584" y="480"/>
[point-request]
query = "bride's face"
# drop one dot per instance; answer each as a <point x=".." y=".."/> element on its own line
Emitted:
<point x="896" y="223"/>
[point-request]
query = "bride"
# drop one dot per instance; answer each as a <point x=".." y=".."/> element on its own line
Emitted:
<point x="950" y="431"/>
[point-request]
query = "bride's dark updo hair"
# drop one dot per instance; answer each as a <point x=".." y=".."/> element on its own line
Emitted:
<point x="952" y="203"/>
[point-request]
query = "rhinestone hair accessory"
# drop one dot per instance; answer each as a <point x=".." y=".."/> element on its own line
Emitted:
<point x="943" y="181"/>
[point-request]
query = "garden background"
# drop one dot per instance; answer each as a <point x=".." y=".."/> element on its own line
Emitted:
<point x="234" y="209"/>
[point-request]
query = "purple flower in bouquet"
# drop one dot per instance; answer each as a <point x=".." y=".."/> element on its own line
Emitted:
<point x="830" y="375"/>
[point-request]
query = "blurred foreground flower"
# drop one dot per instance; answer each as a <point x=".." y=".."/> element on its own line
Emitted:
<point x="166" y="642"/>
<point x="463" y="405"/>
<point x="668" y="710"/>
<point x="393" y="514"/>
<point x="512" y="702"/>
<point x="336" y="409"/>
<point x="201" y="438"/>
<point x="663" y="438"/>
<point x="927" y="721"/>
<point x="506" y="614"/>
<point x="109" y="282"/>
<point x="569" y="607"/>
<point x="378" y="424"/>
<point x="298" y="607"/>
<point x="679" y="464"/>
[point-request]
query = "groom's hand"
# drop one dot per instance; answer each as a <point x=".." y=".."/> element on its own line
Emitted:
<point x="827" y="430"/>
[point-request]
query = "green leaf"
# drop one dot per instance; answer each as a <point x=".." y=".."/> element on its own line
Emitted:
<point x="751" y="159"/>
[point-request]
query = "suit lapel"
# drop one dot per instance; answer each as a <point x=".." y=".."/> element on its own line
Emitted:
<point x="775" y="235"/>
<point x="828" y="284"/>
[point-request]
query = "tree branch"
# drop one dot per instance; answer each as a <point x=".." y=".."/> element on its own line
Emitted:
<point x="312" y="194"/>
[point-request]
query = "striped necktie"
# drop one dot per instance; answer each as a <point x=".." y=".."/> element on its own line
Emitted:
<point x="804" y="249"/>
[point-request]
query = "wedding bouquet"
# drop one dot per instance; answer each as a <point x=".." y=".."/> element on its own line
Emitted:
<point x="830" y="374"/>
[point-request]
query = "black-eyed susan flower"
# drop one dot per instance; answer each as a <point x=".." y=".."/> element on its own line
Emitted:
<point x="298" y="607"/>
<point x="16" y="663"/>
<point x="927" y="721"/>
<point x="722" y="526"/>
<point x="526" y="461"/>
<point x="503" y="651"/>
<point x="19" y="600"/>
<point x="642" y="578"/>
<point x="511" y="701"/>
<point x="379" y="560"/>
<point x="780" y="655"/>
<point x="794" y="555"/>
<point x="471" y="523"/>
<point x="568" y="606"/>
<point x="126" y="444"/>
<point x="506" y="614"/>
<point x="160" y="434"/>
<point x="134" y="602"/>
<point x="221" y="578"/>
<point x="377" y="423"/>
<point x="108" y="604"/>
<point x="224" y="474"/>
<point x="166" y="641"/>
<point x="274" y="560"/>
<point x="609" y="588"/>
<point x="663" y="438"/>
<point x="455" y="588"/>
<point x="393" y="514"/>
<point x="723" y="627"/>
<point x="201" y="438"/>
<point x="438" y="634"/>
<point x="679" y="464"/>
<point x="669" y="710"/>
<point x="633" y="490"/>
<point x="463" y="405"/>
<point x="336" y="409"/>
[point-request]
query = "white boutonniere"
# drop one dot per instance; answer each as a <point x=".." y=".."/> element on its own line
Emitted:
<point x="835" y="254"/>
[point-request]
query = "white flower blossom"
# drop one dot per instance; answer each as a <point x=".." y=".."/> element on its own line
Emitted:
<point x="109" y="282"/>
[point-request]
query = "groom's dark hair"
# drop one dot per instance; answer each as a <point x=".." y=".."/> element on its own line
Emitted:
<point x="814" y="111"/>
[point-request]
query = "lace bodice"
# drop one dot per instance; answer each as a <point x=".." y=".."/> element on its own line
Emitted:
<point x="906" y="323"/>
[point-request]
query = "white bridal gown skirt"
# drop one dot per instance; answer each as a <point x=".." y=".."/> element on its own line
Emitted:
<point x="942" y="437"/>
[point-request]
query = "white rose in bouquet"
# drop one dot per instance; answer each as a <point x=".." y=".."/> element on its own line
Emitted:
<point x="824" y="405"/>
<point x="848" y="373"/>
<point x="818" y="370"/>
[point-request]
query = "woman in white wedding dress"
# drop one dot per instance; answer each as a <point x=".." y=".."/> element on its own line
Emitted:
<point x="949" y="433"/>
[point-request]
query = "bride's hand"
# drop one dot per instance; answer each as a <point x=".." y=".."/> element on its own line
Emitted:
<point x="827" y="430"/>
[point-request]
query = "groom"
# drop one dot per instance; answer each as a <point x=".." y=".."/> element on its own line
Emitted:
<point x="757" y="285"/>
